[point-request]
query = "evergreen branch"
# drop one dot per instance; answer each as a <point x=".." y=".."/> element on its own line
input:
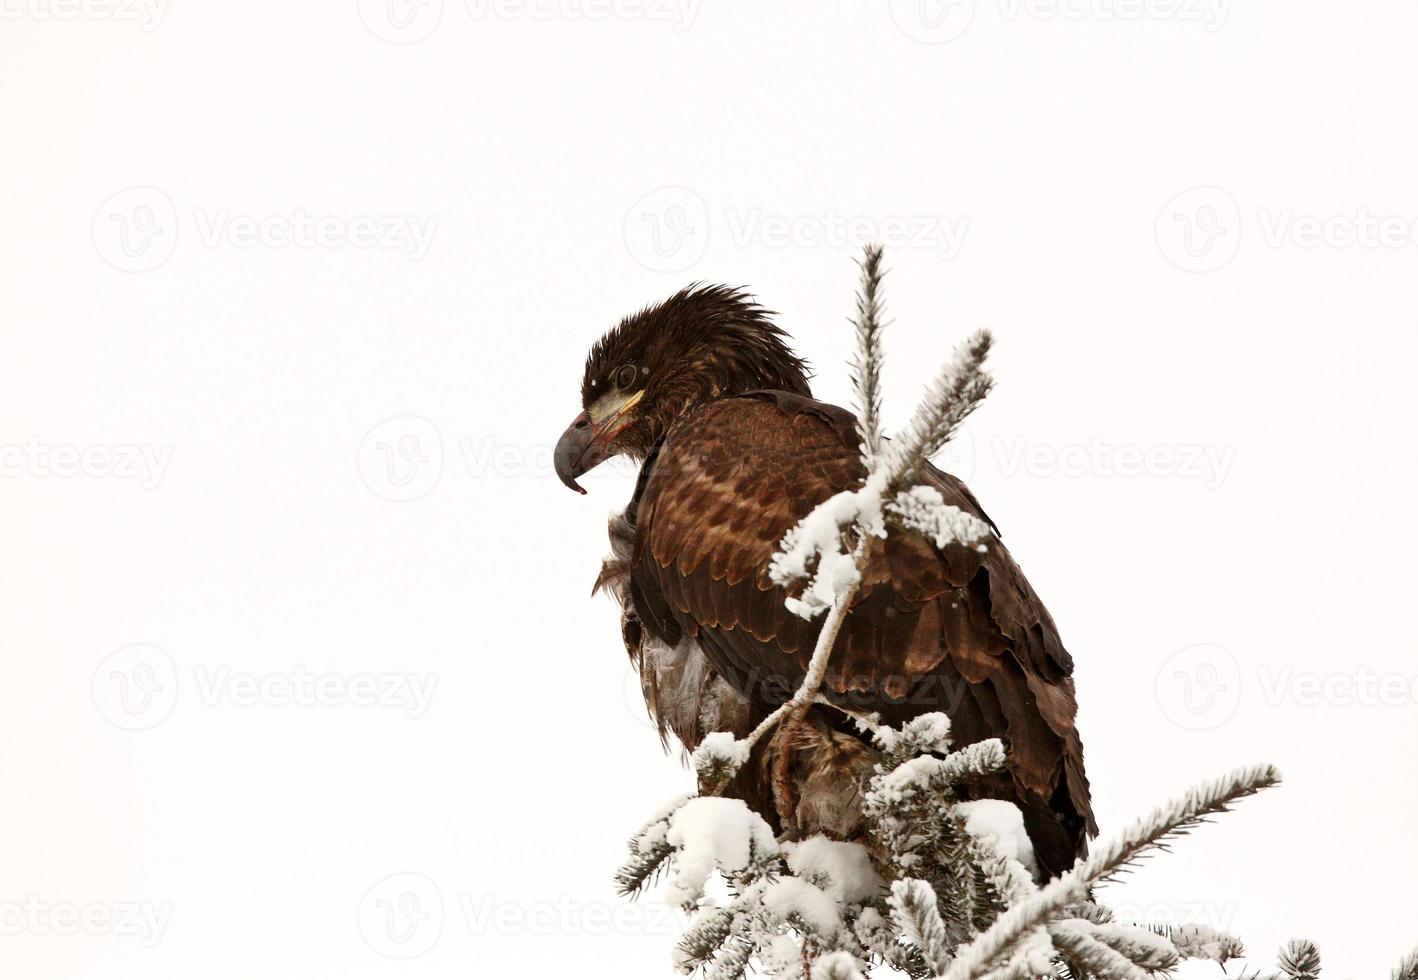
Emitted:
<point x="1175" y="817"/>
<point x="731" y="962"/>
<point x="956" y="392"/>
<point x="1141" y="946"/>
<point x="648" y="852"/>
<point x="1080" y="946"/>
<point x="641" y="869"/>
<point x="1299" y="959"/>
<point x="916" y="912"/>
<point x="866" y="366"/>
<point x="1407" y="968"/>
<point x="703" y="938"/>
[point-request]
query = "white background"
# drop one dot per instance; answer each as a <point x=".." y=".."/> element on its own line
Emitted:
<point x="1254" y="607"/>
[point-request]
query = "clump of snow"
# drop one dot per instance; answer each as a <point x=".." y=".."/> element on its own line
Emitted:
<point x="815" y="546"/>
<point x="780" y="956"/>
<point x="923" y="509"/>
<point x="842" y="870"/>
<point x="814" y="909"/>
<point x="711" y="834"/>
<point x="720" y="749"/>
<point x="999" y="824"/>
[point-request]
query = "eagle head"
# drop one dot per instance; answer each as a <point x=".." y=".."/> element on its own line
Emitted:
<point x="703" y="343"/>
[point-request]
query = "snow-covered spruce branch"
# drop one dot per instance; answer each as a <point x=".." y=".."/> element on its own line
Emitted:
<point x="1407" y="968"/>
<point x="956" y="392"/>
<point x="1177" y="816"/>
<point x="866" y="365"/>
<point x="916" y="911"/>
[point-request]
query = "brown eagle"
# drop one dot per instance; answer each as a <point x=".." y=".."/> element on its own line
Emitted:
<point x="705" y="393"/>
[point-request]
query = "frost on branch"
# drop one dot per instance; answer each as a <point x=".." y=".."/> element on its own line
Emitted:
<point x="718" y="759"/>
<point x="923" y="509"/>
<point x="816" y="547"/>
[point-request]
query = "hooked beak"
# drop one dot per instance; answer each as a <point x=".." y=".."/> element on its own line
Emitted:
<point x="582" y="447"/>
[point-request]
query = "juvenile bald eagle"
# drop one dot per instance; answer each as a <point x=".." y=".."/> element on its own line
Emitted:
<point x="705" y="393"/>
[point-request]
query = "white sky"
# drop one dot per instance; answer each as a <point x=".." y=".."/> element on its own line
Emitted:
<point x="1241" y="600"/>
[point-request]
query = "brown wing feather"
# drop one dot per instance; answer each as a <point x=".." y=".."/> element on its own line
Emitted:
<point x="951" y="629"/>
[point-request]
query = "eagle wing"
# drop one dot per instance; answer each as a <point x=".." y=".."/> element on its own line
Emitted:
<point x="952" y="629"/>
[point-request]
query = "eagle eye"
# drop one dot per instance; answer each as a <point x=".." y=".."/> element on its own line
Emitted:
<point x="625" y="377"/>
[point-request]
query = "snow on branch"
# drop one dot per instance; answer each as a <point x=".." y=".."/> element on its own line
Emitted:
<point x="916" y="912"/>
<point x="1407" y="968"/>
<point x="1177" y="816"/>
<point x="866" y="366"/>
<point x="956" y="392"/>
